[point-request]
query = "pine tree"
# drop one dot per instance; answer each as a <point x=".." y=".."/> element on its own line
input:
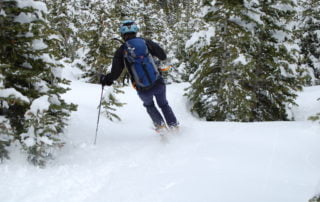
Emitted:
<point x="5" y="130"/>
<point x="310" y="39"/>
<point x="62" y="18"/>
<point x="244" y="72"/>
<point x="275" y="58"/>
<point x="154" y="27"/>
<point x="101" y="28"/>
<point x="8" y="95"/>
<point x="33" y="73"/>
<point x="315" y="199"/>
<point x="217" y="90"/>
<point x="188" y="21"/>
<point x="110" y="103"/>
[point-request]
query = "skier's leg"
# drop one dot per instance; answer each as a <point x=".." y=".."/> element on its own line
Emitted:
<point x="162" y="102"/>
<point x="147" y="98"/>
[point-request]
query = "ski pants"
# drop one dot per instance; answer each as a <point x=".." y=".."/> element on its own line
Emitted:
<point x="159" y="92"/>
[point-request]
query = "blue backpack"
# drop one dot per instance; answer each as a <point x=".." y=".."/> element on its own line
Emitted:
<point x="141" y="63"/>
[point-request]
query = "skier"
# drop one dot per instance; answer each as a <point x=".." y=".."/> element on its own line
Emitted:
<point x="152" y="85"/>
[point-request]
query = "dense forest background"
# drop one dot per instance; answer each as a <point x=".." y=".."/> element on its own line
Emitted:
<point x="245" y="60"/>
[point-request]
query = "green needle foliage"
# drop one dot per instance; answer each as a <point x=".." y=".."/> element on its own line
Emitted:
<point x="30" y="73"/>
<point x="310" y="39"/>
<point x="245" y="72"/>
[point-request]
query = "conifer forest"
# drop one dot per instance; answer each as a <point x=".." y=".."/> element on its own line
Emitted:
<point x="245" y="60"/>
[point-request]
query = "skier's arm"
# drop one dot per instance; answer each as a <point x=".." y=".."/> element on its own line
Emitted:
<point x="117" y="64"/>
<point x="116" y="69"/>
<point x="156" y="50"/>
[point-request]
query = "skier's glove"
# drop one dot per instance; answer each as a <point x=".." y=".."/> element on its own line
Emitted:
<point x="106" y="80"/>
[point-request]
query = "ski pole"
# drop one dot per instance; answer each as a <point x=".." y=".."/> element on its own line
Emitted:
<point x="95" y="138"/>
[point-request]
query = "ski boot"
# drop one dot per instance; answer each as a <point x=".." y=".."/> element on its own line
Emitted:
<point x="174" y="129"/>
<point x="161" y="129"/>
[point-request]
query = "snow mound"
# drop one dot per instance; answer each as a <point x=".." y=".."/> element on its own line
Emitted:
<point x="205" y="161"/>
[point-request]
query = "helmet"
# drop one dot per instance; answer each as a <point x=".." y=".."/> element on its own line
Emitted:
<point x="128" y="26"/>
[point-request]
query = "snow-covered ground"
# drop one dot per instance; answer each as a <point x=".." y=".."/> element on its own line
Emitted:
<point x="204" y="162"/>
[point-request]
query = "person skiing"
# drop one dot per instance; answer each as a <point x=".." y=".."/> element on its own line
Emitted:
<point x="136" y="54"/>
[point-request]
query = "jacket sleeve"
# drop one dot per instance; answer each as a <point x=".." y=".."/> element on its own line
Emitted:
<point x="156" y="50"/>
<point x="117" y="64"/>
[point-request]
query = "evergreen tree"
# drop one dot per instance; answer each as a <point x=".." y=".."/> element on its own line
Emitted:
<point x="151" y="15"/>
<point x="188" y="21"/>
<point x="8" y="96"/>
<point x="101" y="28"/>
<point x="275" y="59"/>
<point x="32" y="72"/>
<point x="315" y="199"/>
<point x="217" y="91"/>
<point x="4" y="126"/>
<point x="62" y="18"/>
<point x="310" y="39"/>
<point x="102" y="23"/>
<point x="110" y="103"/>
<point x="244" y="72"/>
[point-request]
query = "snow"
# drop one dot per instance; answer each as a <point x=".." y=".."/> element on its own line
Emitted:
<point x="29" y="138"/>
<point x="241" y="59"/>
<point x="205" y="161"/>
<point x="38" y="44"/>
<point x="40" y="104"/>
<point x="27" y="17"/>
<point x="27" y="65"/>
<point x="54" y="100"/>
<point x="46" y="58"/>
<point x="54" y="36"/>
<point x="204" y="34"/>
<point x="24" y="18"/>
<point x="11" y="92"/>
<point x="29" y="34"/>
<point x="41" y="86"/>
<point x="41" y="6"/>
<point x="308" y="104"/>
<point x="2" y="13"/>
